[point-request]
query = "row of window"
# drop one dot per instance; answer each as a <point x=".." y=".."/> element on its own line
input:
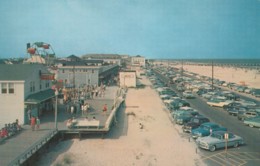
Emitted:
<point x="7" y="88"/>
<point x="77" y="70"/>
<point x="32" y="85"/>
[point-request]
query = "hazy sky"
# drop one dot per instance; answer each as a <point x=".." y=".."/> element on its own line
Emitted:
<point x="152" y="28"/>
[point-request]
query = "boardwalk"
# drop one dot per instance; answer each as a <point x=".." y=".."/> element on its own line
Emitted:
<point x="20" y="143"/>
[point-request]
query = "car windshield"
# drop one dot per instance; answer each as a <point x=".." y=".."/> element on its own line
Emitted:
<point x="216" y="135"/>
<point x="195" y="120"/>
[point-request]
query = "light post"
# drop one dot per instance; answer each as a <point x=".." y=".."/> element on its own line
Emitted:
<point x="56" y="108"/>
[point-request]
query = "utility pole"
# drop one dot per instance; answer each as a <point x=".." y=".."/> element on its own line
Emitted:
<point x="212" y="78"/>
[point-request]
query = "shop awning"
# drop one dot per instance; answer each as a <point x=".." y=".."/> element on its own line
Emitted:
<point x="40" y="97"/>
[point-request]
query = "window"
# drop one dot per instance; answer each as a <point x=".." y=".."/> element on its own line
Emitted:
<point x="11" y="88"/>
<point x="4" y="88"/>
<point x="31" y="87"/>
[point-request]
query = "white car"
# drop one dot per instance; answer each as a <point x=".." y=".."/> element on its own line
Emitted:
<point x="216" y="102"/>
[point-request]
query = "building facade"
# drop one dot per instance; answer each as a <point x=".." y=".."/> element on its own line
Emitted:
<point x="24" y="87"/>
<point x="127" y="79"/>
<point x="138" y="61"/>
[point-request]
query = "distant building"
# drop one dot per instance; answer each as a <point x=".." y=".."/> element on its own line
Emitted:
<point x="24" y="87"/>
<point x="85" y="72"/>
<point x="127" y="78"/>
<point x="138" y="61"/>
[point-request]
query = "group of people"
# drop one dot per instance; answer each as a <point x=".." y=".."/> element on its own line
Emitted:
<point x="35" y="123"/>
<point x="10" y="129"/>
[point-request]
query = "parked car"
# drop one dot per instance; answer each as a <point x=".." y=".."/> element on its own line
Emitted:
<point x="256" y="92"/>
<point x="205" y="129"/>
<point x="194" y="123"/>
<point x="217" y="102"/>
<point x="253" y="122"/>
<point x="246" y="102"/>
<point x="234" y="111"/>
<point x="178" y="104"/>
<point x="217" y="140"/>
<point x="242" y="115"/>
<point x="188" y="95"/>
<point x="183" y="118"/>
<point x="231" y="105"/>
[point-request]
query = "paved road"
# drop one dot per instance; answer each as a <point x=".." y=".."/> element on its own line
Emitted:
<point x="249" y="154"/>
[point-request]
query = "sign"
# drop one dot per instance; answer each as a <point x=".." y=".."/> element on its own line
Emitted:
<point x="47" y="76"/>
<point x="226" y="136"/>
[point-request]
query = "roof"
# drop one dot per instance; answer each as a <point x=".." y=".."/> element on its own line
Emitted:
<point x="40" y="96"/>
<point x="17" y="72"/>
<point x="79" y="63"/>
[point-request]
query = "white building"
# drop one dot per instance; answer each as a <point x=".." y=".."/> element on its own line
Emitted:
<point x="138" y="61"/>
<point x="127" y="78"/>
<point x="77" y="73"/>
<point x="24" y="87"/>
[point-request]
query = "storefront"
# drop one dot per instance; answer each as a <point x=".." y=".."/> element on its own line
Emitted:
<point x="39" y="103"/>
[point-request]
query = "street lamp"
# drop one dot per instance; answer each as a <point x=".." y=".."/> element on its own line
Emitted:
<point x="56" y="108"/>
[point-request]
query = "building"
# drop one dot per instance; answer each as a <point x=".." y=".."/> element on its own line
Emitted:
<point x="127" y="78"/>
<point x="85" y="72"/>
<point x="138" y="61"/>
<point x="24" y="87"/>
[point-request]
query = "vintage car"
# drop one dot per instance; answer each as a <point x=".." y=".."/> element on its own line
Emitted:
<point x="183" y="118"/>
<point x="206" y="129"/>
<point x="188" y="95"/>
<point x="217" y="140"/>
<point x="243" y="115"/>
<point x="217" y="102"/>
<point x="194" y="123"/>
<point x="253" y="122"/>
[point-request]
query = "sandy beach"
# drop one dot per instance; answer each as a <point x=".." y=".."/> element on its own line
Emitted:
<point x="229" y="74"/>
<point x="157" y="142"/>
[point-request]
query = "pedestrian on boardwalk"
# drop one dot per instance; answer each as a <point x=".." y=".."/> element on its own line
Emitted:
<point x="29" y="113"/>
<point x="105" y="108"/>
<point x="72" y="109"/>
<point x="38" y="122"/>
<point x="33" y="122"/>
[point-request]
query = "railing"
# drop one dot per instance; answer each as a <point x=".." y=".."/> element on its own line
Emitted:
<point x="32" y="149"/>
<point x="119" y="98"/>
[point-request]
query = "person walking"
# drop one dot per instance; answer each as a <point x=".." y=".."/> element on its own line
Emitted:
<point x="105" y="108"/>
<point x="29" y="113"/>
<point x="38" y="122"/>
<point x="33" y="122"/>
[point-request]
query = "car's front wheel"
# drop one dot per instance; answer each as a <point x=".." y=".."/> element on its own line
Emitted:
<point x="212" y="148"/>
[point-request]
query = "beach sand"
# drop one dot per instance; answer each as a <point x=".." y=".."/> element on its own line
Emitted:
<point x="157" y="143"/>
<point x="236" y="75"/>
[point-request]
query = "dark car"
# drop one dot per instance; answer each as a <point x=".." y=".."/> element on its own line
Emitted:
<point x="231" y="106"/>
<point x="183" y="118"/>
<point x="256" y="92"/>
<point x="206" y="129"/>
<point x="234" y="110"/>
<point x="178" y="104"/>
<point x="194" y="123"/>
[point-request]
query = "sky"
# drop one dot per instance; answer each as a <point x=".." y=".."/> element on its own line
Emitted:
<point x="156" y="29"/>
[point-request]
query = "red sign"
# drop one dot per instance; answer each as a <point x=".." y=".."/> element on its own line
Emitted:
<point x="47" y="76"/>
